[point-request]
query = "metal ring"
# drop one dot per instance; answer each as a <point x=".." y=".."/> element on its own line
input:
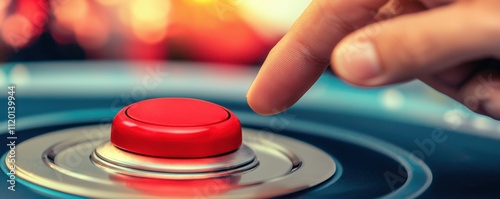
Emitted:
<point x="116" y="160"/>
<point x="285" y="165"/>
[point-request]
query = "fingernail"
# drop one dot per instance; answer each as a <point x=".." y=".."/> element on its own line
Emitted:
<point x="359" y="60"/>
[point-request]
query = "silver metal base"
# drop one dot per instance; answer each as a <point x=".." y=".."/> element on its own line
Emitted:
<point x="119" y="161"/>
<point x="80" y="161"/>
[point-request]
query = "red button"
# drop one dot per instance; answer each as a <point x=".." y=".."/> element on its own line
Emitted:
<point x="176" y="128"/>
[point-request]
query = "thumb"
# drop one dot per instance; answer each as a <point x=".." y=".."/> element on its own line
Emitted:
<point x="419" y="44"/>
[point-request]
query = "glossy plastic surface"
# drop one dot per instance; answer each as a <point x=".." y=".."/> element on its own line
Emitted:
<point x="176" y="128"/>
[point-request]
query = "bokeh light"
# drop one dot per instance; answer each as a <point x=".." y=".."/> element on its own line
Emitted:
<point x="71" y="12"/>
<point x="271" y="18"/>
<point x="93" y="32"/>
<point x="20" y="75"/>
<point x="109" y="2"/>
<point x="3" y="6"/>
<point x="149" y="19"/>
<point x="221" y="31"/>
<point x="17" y="30"/>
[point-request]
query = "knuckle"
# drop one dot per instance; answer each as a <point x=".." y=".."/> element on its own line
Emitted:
<point x="311" y="55"/>
<point x="411" y="49"/>
<point x="301" y="51"/>
<point x="485" y="16"/>
<point x="330" y="11"/>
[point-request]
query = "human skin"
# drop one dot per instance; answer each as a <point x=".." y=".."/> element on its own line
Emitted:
<point x="451" y="45"/>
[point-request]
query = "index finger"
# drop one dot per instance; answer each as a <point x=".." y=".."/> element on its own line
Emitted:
<point x="302" y="55"/>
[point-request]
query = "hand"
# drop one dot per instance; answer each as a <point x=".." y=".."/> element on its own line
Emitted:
<point x="451" y="45"/>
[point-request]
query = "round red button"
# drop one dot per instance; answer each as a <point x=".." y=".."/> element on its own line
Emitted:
<point x="176" y="128"/>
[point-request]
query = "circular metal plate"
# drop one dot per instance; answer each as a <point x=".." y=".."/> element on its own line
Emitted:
<point x="62" y="161"/>
<point x="116" y="160"/>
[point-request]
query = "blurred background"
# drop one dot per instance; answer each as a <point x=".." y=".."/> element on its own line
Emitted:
<point x="76" y="62"/>
<point x="235" y="32"/>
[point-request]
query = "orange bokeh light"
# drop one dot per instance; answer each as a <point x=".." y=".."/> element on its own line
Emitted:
<point x="109" y="2"/>
<point x="200" y="30"/>
<point x="93" y="32"/>
<point x="70" y="12"/>
<point x="17" y="30"/>
<point x="3" y="6"/>
<point x="149" y="19"/>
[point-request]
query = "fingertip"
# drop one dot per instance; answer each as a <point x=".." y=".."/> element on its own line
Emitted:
<point x="259" y="105"/>
<point x="263" y="101"/>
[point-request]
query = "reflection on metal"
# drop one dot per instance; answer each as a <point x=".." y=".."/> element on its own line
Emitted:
<point x="77" y="160"/>
<point x="116" y="160"/>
